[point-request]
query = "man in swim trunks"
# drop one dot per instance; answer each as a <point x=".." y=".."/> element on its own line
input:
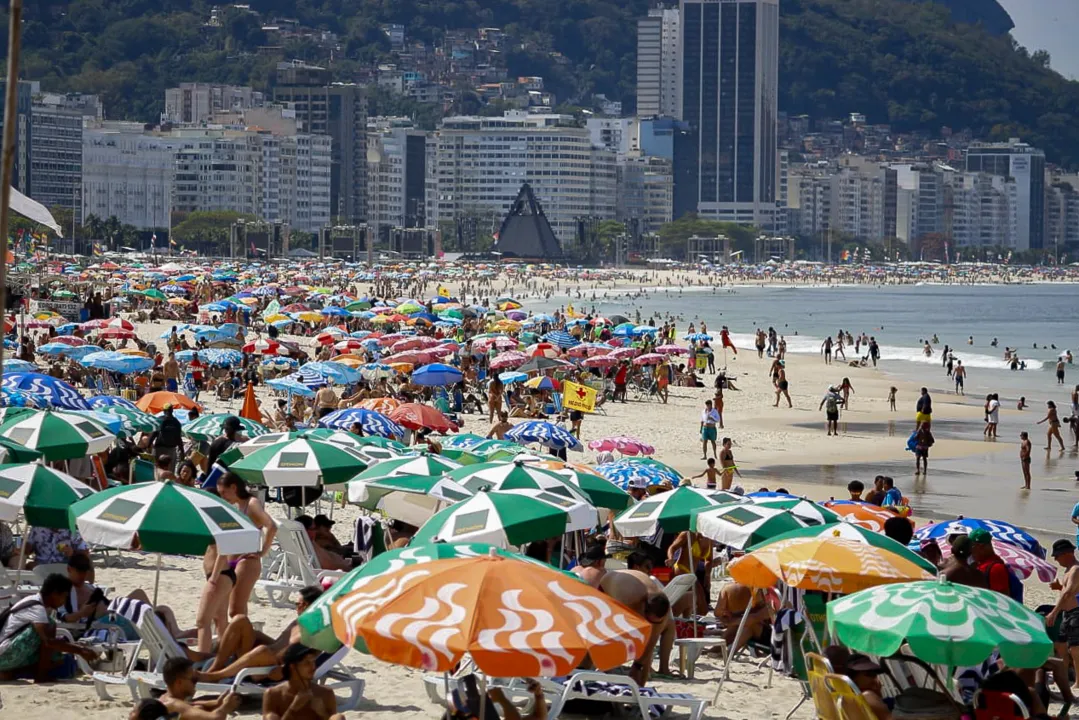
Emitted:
<point x="709" y="420"/>
<point x="644" y="595"/>
<point x="1067" y="605"/>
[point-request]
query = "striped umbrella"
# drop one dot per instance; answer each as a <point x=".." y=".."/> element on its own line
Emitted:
<point x="672" y="511"/>
<point x="544" y="433"/>
<point x="305" y="377"/>
<point x="600" y="491"/>
<point x="855" y="533"/>
<point x="303" y="462"/>
<point x="58" y="435"/>
<point x="998" y="529"/>
<point x="16" y="365"/>
<point x="465" y="441"/>
<point x="622" y="444"/>
<point x="117" y="362"/>
<point x="515" y="476"/>
<point x="42" y="494"/>
<point x="58" y="393"/>
<point x="809" y="512"/>
<point x="134" y="420"/>
<point x="561" y="338"/>
<point x="742" y="524"/>
<point x="209" y="427"/>
<point x="368" y="494"/>
<point x="419" y="464"/>
<point x="321" y="434"/>
<point x="13" y="452"/>
<point x="371" y="422"/>
<point x="621" y="472"/>
<point x="10" y="397"/>
<point x="101" y="402"/>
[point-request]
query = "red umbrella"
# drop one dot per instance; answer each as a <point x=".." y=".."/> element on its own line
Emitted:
<point x="331" y="335"/>
<point x="543" y="349"/>
<point x="37" y="325"/>
<point x="116" y="333"/>
<point x="672" y="350"/>
<point x="624" y="353"/>
<point x="600" y="361"/>
<point x="413" y="343"/>
<point x="94" y="324"/>
<point x="502" y="342"/>
<point x="294" y="307"/>
<point x="508" y="360"/>
<point x="416" y="357"/>
<point x="69" y="340"/>
<point x="649" y="359"/>
<point x="348" y="344"/>
<point x="390" y="339"/>
<point x="265" y="347"/>
<point x="119" y="323"/>
<point x="415" y="416"/>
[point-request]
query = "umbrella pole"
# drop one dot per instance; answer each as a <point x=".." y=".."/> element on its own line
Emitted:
<point x="693" y="572"/>
<point x="22" y="555"/>
<point x="157" y="577"/>
<point x="730" y="651"/>
<point x="483" y="695"/>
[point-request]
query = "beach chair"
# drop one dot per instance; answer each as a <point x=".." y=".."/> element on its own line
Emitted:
<point x="847" y="698"/>
<point x="142" y="471"/>
<point x="997" y="705"/>
<point x="817" y="668"/>
<point x="294" y="568"/>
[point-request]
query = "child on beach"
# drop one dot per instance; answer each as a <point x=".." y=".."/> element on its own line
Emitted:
<point x="891" y="397"/>
<point x="709" y="474"/>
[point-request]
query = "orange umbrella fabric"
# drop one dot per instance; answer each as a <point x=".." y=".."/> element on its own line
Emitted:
<point x="155" y="402"/>
<point x="250" y="409"/>
<point x="384" y="405"/>
<point x="415" y="416"/>
<point x="868" y="516"/>
<point x="514" y="618"/>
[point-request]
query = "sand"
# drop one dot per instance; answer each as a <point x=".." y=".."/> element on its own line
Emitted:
<point x="763" y="436"/>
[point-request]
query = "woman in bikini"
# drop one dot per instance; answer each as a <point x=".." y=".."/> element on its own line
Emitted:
<point x="213" y="612"/>
<point x="248" y="567"/>
<point x="1053" y="419"/>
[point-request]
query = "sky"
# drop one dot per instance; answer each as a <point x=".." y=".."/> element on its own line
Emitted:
<point x="1048" y="25"/>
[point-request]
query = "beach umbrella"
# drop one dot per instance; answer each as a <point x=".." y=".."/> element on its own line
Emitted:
<point x="384" y="405"/>
<point x="512" y="618"/>
<point x="292" y="387"/>
<point x="600" y="491"/>
<point x="539" y="364"/>
<point x="209" y="427"/>
<point x="303" y="462"/>
<point x="561" y="338"/>
<point x="809" y="512"/>
<point x="14" y="365"/>
<point x="743" y="524"/>
<point x="507" y="518"/>
<point x="544" y="349"/>
<point x="622" y="444"/>
<point x="1022" y="562"/>
<point x="543" y="382"/>
<point x="104" y="402"/>
<point x="58" y="393"/>
<point x="600" y="361"/>
<point x="672" y="511"/>
<point x="371" y="422"/>
<point x="12" y="398"/>
<point x="465" y="441"/>
<point x="672" y="350"/>
<point x="155" y="402"/>
<point x="515" y="475"/>
<point x="13" y="452"/>
<point x="419" y="464"/>
<point x="436" y="374"/>
<point x="864" y="515"/>
<point x="42" y="494"/>
<point x="824" y="562"/>
<point x="265" y="347"/>
<point x="117" y="362"/>
<point x="544" y="433"/>
<point x="164" y="518"/>
<point x="316" y="629"/>
<point x="54" y="348"/>
<point x="154" y="294"/>
<point x="334" y="373"/>
<point x="509" y="359"/>
<point x="117" y="422"/>
<point x="943" y="623"/>
<point x="57" y="435"/>
<point x="369" y="493"/>
<point x="376" y="371"/>
<point x="855" y="533"/>
<point x="622" y="472"/>
<point x="464" y="457"/>
<point x="649" y="359"/>
<point x="322" y="434"/>
<point x="998" y="529"/>
<point x="415" y="416"/>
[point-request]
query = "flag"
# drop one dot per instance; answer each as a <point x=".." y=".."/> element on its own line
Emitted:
<point x="495" y="236"/>
<point x="443" y="292"/>
<point x="725" y="337"/>
<point x="578" y="397"/>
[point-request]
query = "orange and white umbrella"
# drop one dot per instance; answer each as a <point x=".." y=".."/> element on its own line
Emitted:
<point x="870" y="517"/>
<point x="384" y="405"/>
<point x="515" y="619"/>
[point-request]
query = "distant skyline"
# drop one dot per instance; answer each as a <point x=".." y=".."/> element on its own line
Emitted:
<point x="1048" y="25"/>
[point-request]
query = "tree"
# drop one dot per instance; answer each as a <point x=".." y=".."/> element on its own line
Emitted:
<point x="208" y="231"/>
<point x="674" y="236"/>
<point x="607" y="234"/>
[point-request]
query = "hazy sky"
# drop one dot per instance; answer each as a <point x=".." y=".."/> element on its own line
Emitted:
<point x="1048" y="25"/>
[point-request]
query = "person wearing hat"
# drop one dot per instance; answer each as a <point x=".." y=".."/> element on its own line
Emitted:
<point x="957" y="568"/>
<point x="830" y="403"/>
<point x="324" y="536"/>
<point x="230" y="435"/>
<point x="1066" y="605"/>
<point x="299" y="697"/>
<point x="591" y="565"/>
<point x="169" y="438"/>
<point x="988" y="562"/>
<point x="865" y="674"/>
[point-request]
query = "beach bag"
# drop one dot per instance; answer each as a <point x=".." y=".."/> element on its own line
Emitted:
<point x="831" y="404"/>
<point x="1015" y="585"/>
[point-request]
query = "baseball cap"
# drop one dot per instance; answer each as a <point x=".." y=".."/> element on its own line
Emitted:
<point x="322" y="521"/>
<point x="981" y="536"/>
<point x="637" y="483"/>
<point x="231" y="423"/>
<point x="592" y="555"/>
<point x="859" y="663"/>
<point x="1063" y="547"/>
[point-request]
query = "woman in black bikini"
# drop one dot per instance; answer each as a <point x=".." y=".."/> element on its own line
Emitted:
<point x="248" y="567"/>
<point x="213" y="610"/>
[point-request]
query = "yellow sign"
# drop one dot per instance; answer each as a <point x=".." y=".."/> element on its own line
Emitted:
<point x="443" y="292"/>
<point x="578" y="397"/>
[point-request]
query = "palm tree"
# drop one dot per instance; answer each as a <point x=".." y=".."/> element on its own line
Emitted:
<point x="110" y="230"/>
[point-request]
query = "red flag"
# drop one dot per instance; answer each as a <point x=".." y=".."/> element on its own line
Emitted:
<point x="725" y="336"/>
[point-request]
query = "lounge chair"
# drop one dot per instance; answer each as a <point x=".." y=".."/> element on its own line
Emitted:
<point x="294" y="568"/>
<point x="996" y="705"/>
<point x="818" y="668"/>
<point x="689" y="649"/>
<point x="847" y="698"/>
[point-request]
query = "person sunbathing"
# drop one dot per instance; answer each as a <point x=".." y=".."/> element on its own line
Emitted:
<point x="640" y="594"/>
<point x="731" y="606"/>
<point x="298" y="697"/>
<point x="242" y="647"/>
<point x="179" y="676"/>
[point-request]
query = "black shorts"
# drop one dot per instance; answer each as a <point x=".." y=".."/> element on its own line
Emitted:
<point x="1069" y="627"/>
<point x="833" y="416"/>
<point x="323" y="412"/>
<point x="576" y="415"/>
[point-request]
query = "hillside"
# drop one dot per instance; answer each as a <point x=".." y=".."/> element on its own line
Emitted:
<point x="906" y="62"/>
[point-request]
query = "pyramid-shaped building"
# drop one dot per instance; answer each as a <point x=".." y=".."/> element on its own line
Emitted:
<point x="525" y="233"/>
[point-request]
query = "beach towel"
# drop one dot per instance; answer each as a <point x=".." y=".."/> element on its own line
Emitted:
<point x="365" y="543"/>
<point x="591" y="708"/>
<point x="782" y="635"/>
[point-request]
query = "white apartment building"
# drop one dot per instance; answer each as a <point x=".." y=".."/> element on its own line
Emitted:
<point x="194" y="103"/>
<point x="645" y="191"/>
<point x="1062" y="215"/>
<point x="919" y="202"/>
<point x="396" y="174"/>
<point x="619" y="135"/>
<point x="482" y="162"/>
<point x="984" y="210"/>
<point x="657" y="63"/>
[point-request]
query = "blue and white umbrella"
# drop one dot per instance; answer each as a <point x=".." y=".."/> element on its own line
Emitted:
<point x="561" y="338"/>
<point x="1000" y="530"/>
<point x="22" y="399"/>
<point x="336" y="373"/>
<point x="511" y="377"/>
<point x="58" y="393"/>
<point x="544" y="433"/>
<point x="103" y="402"/>
<point x="621" y="472"/>
<point x="372" y="422"/>
<point x="697" y="337"/>
<point x="306" y="377"/>
<point x="279" y="362"/>
<point x="55" y="348"/>
<point x="221" y="357"/>
<point x="437" y="374"/>
<point x="335" y="311"/>
<point x="291" y="386"/>
<point x="117" y="362"/>
<point x="16" y="365"/>
<point x="78" y="353"/>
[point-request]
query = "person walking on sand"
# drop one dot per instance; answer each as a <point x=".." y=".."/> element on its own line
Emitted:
<point x="782" y="386"/>
<point x="1064" y="553"/>
<point x="924" y="409"/>
<point x="959" y="375"/>
<point x="923" y="440"/>
<point x="1025" y="447"/>
<point x="891" y="397"/>
<point x="1053" y="419"/>
<point x="826" y="348"/>
<point x="847" y="389"/>
<point x="726" y="462"/>
<point x="992" y="415"/>
<point x="709" y="420"/>
<point x="830" y="403"/>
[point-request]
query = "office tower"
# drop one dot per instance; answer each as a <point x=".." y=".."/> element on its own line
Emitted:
<point x="657" y="63"/>
<point x="1027" y="165"/>
<point x="729" y="91"/>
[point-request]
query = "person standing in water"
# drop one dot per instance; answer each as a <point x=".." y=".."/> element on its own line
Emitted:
<point x="1024" y="458"/>
<point x="826" y="348"/>
<point x="1060" y="371"/>
<point x="960" y="375"/>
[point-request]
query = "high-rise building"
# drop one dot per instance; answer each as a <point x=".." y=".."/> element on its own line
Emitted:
<point x="1027" y="165"/>
<point x="128" y="173"/>
<point x="340" y="111"/>
<point x="984" y="210"/>
<point x="194" y="103"/>
<point x="396" y="175"/>
<point x="645" y="192"/>
<point x="674" y="140"/>
<point x="56" y="154"/>
<point x="657" y="63"/>
<point x="919" y="202"/>
<point x="482" y="162"/>
<point x="729" y="75"/>
<point x="1062" y="216"/>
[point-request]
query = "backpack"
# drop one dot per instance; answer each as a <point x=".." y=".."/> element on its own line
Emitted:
<point x="7" y="614"/>
<point x="1015" y="585"/>
<point x="831" y="404"/>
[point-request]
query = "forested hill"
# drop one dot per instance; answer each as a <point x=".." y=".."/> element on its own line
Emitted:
<point x="907" y="62"/>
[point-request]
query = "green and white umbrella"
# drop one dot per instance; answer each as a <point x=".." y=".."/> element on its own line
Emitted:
<point x="41" y="493"/>
<point x="134" y="421"/>
<point x="209" y="427"/>
<point x="368" y="494"/>
<point x="673" y="511"/>
<point x="740" y="525"/>
<point x="462" y="456"/>
<point x="316" y="626"/>
<point x="509" y="518"/>
<point x="337" y="437"/>
<point x="420" y="464"/>
<point x="945" y="624"/>
<point x="13" y="452"/>
<point x="58" y="435"/>
<point x="303" y="462"/>
<point x="515" y="476"/>
<point x="850" y="531"/>
<point x="600" y="491"/>
<point x="806" y="510"/>
<point x="166" y="518"/>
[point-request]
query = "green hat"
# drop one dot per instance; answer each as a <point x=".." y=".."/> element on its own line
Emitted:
<point x="981" y="536"/>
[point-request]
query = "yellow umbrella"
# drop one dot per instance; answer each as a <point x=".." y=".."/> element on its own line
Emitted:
<point x="827" y="563"/>
<point x="507" y="326"/>
<point x="309" y="317"/>
<point x="381" y="320"/>
<point x="351" y="360"/>
<point x="179" y="301"/>
<point x="276" y="317"/>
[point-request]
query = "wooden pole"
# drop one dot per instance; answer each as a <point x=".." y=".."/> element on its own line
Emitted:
<point x="11" y="91"/>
